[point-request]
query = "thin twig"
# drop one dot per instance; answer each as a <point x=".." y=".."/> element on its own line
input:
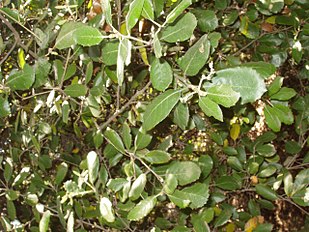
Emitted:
<point x="296" y="205"/>
<point x="65" y="68"/>
<point x="123" y="108"/>
<point x="17" y="37"/>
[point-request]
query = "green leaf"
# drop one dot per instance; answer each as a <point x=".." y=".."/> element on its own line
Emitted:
<point x="42" y="68"/>
<point x="186" y="172"/>
<point x="157" y="157"/>
<point x="123" y="58"/>
<point x="179" y="199"/>
<point x="267" y="171"/>
<point x="126" y="135"/>
<point x="264" y="69"/>
<point x="196" y="57"/>
<point x="301" y="180"/>
<point x="228" y="183"/>
<point x="160" y="108"/>
<point x="110" y="52"/>
<point x="266" y="192"/>
<point x="284" y="94"/>
<point x="142" y="140"/>
<point x="135" y="10"/>
<point x="76" y="90"/>
<point x="180" y="30"/>
<point x="181" y="115"/>
<point x="148" y="12"/>
<point x="157" y="47"/>
<point x="142" y="209"/>
<point x="275" y="86"/>
<point x="210" y="108"/>
<point x="114" y="139"/>
<point x="223" y="217"/>
<point x="106" y="209"/>
<point x="11" y="209"/>
<point x="223" y="95"/>
<point x="21" y="80"/>
<point x="137" y="187"/>
<point x="161" y="74"/>
<point x="177" y="11"/>
<point x="206" y="19"/>
<point x="44" y="222"/>
<point x="170" y="183"/>
<point x="65" y="38"/>
<point x="266" y="227"/>
<point x="206" y="165"/>
<point x="62" y="170"/>
<point x="269" y="7"/>
<point x="249" y="29"/>
<point x="292" y="147"/>
<point x="243" y="80"/>
<point x="284" y="113"/>
<point x="93" y="166"/>
<point x="4" y="107"/>
<point x="65" y="111"/>
<point x="105" y="4"/>
<point x="197" y="194"/>
<point x="266" y="150"/>
<point x="234" y="163"/>
<point x="288" y="184"/>
<point x="87" y="36"/>
<point x="272" y="119"/>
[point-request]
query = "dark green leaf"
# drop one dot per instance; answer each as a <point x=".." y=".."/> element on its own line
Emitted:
<point x="196" y="57"/>
<point x="180" y="30"/>
<point x="181" y="115"/>
<point x="275" y="86"/>
<point x="142" y="209"/>
<point x="206" y="19"/>
<point x="272" y="119"/>
<point x="4" y="107"/>
<point x="76" y="90"/>
<point x="161" y="74"/>
<point x="228" y="183"/>
<point x="292" y="147"/>
<point x="160" y="108"/>
<point x="210" y="108"/>
<point x="186" y="172"/>
<point x="266" y="192"/>
<point x="263" y="68"/>
<point x="21" y="80"/>
<point x="284" y="94"/>
<point x="266" y="150"/>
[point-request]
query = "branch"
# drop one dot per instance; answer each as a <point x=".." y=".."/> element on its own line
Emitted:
<point x="17" y="39"/>
<point x="123" y="108"/>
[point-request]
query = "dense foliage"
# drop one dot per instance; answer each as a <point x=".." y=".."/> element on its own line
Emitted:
<point x="154" y="115"/>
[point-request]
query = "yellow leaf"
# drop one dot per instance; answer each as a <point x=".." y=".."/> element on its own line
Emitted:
<point x="230" y="227"/>
<point x="143" y="52"/>
<point x="21" y="58"/>
<point x="252" y="223"/>
<point x="234" y="131"/>
<point x="123" y="29"/>
<point x="75" y="150"/>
